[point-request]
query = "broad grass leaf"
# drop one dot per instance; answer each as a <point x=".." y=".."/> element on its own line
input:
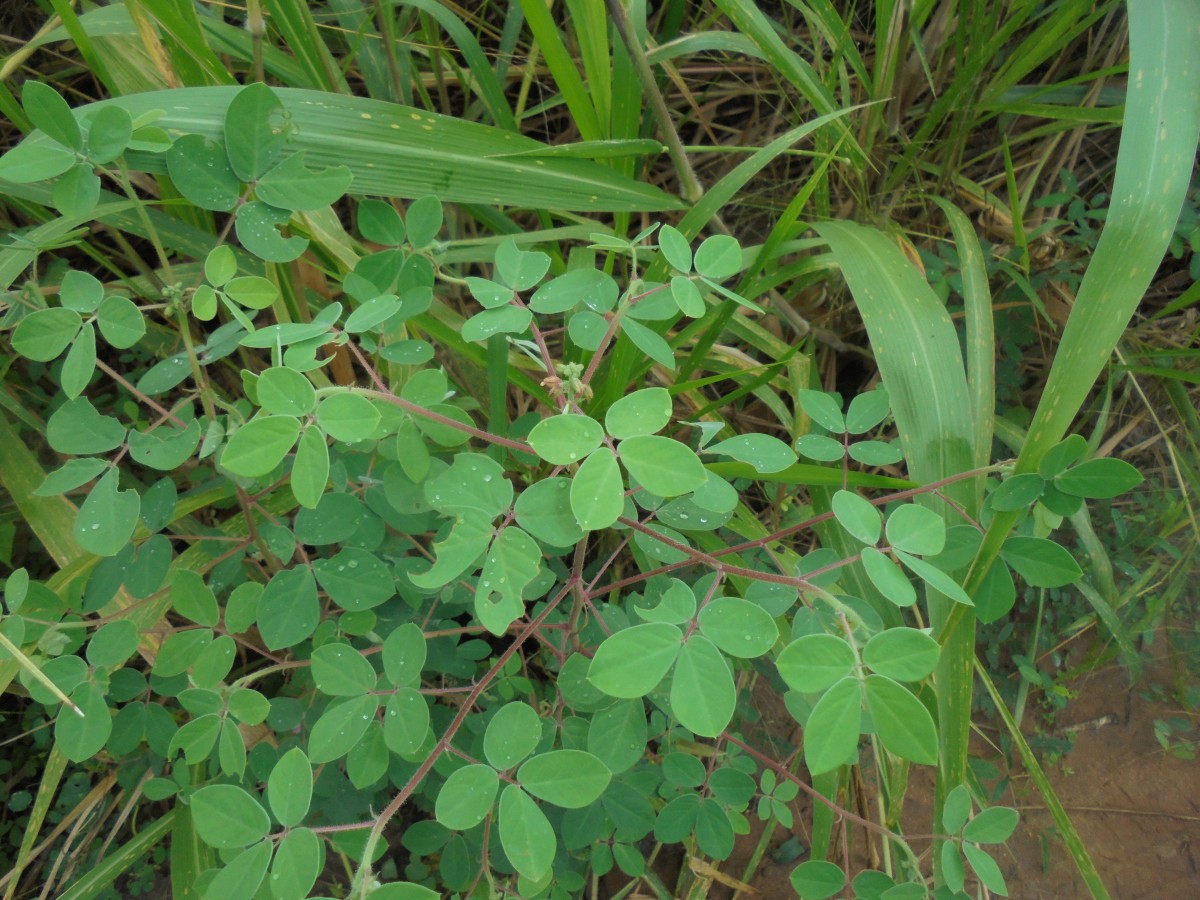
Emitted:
<point x="544" y="510"/>
<point x="82" y="737"/>
<point x="467" y="797"/>
<point x="513" y="561"/>
<point x="597" y="491"/>
<point x="831" y="733"/>
<point x="915" y="529"/>
<point x="242" y="877"/>
<point x="571" y="779"/>
<point x="703" y="695"/>
<point x="858" y="516"/>
<point x="108" y="517"/>
<point x="45" y="333"/>
<point x="738" y="627"/>
<point x="526" y="836"/>
<point x="767" y="454"/>
<point x="288" y="609"/>
<point x="290" y="787"/>
<point x="1041" y="562"/>
<point x="200" y="169"/>
<point x="297" y="864"/>
<point x="255" y="131"/>
<point x="903" y="654"/>
<point x="902" y="723"/>
<point x="260" y="445"/>
<point x="293" y="186"/>
<point x="341" y="671"/>
<point x="632" y="662"/>
<point x="814" y="662"/>
<point x="565" y="439"/>
<point x="511" y="735"/>
<point x="226" y="817"/>
<point x="661" y="465"/>
<point x="1099" y="479"/>
<point x="340" y="727"/>
<point x="643" y="412"/>
<point x="618" y="735"/>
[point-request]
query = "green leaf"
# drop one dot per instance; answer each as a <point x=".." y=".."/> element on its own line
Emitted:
<point x="661" y="465"/>
<point x="675" y="247"/>
<point x="108" y="134"/>
<point x="293" y="186"/>
<point x="297" y="865"/>
<point x="77" y="192"/>
<point x="649" y="342"/>
<point x="875" y="453"/>
<point x="405" y="721"/>
<point x="81" y="291"/>
<point x="867" y="410"/>
<point x="820" y="447"/>
<point x="904" y="654"/>
<point x="902" y="723"/>
<point x="258" y="228"/>
<point x="858" y="516"/>
<point x="404" y="654"/>
<point x="1063" y="454"/>
<point x="956" y="809"/>
<point x="80" y="364"/>
<point x="1017" y="492"/>
<point x="587" y="329"/>
<point x="241" y="878"/>
<point x="49" y="111"/>
<point x="467" y="797"/>
<point x="915" y="529"/>
<point x="643" y="412"/>
<point x="372" y="314"/>
<point x="77" y="428"/>
<point x="193" y="599"/>
<point x="997" y="593"/>
<point x="954" y="874"/>
<point x="831" y="733"/>
<point x="992" y="826"/>
<point x="424" y="221"/>
<point x="718" y="257"/>
<point x="703" y="695"/>
<point x="255" y="131"/>
<point x="815" y="662"/>
<point x="113" y="643"/>
<point x="513" y="561"/>
<point x="676" y="605"/>
<point x="565" y="439"/>
<point x="289" y="788"/>
<point x="260" y="445"/>
<point x="29" y="162"/>
<point x="519" y="269"/>
<point x="687" y="297"/>
<point x="618" y="735"/>
<point x="348" y="417"/>
<point x="632" y="662"/>
<point x="468" y="538"/>
<point x="544" y="510"/>
<point x="597" y="491"/>
<point x="1041" y="562"/>
<point x="490" y="322"/>
<point x="166" y="448"/>
<point x="935" y="578"/>
<point x="490" y="294"/>
<point x="525" y="834"/>
<point x="767" y="454"/>
<point x="1099" y="479"/>
<point x="511" y="735"/>
<point x="817" y="879"/>
<point x="985" y="867"/>
<point x="595" y="289"/>
<point x="310" y="470"/>
<point x="355" y="579"/>
<point x="341" y="671"/>
<point x="473" y="482"/>
<point x="571" y="779"/>
<point x="340" y="727"/>
<point x="288" y="609"/>
<point x="738" y="627"/>
<point x="81" y="737"/>
<point x="227" y="817"/>
<point x="822" y="409"/>
<point x="252" y="291"/>
<point x="121" y="322"/>
<point x="200" y="168"/>
<point x="45" y="333"/>
<point x="285" y="392"/>
<point x="108" y="517"/>
<point x="379" y="222"/>
<point x="888" y="577"/>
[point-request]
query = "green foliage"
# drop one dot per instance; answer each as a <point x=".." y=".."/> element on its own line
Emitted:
<point x="469" y="555"/>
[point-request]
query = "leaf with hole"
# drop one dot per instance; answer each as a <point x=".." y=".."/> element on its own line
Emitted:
<point x="513" y="561"/>
<point x="293" y="186"/>
<point x="108" y="517"/>
<point x="259" y="228"/>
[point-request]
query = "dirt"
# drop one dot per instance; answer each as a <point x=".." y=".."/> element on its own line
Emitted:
<point x="1135" y="805"/>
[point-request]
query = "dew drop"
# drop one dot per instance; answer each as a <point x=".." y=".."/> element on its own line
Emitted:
<point x="572" y="455"/>
<point x="353" y="564"/>
<point x="683" y="515"/>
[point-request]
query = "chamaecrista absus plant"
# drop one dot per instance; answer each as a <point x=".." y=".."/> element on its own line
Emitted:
<point x="314" y="597"/>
